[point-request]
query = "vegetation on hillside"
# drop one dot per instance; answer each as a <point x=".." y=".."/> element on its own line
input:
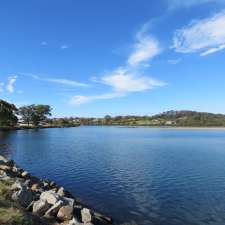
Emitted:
<point x="38" y="116"/>
<point x="170" y="118"/>
<point x="191" y="118"/>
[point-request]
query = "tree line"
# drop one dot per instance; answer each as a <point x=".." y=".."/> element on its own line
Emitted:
<point x="37" y="115"/>
<point x="30" y="114"/>
<point x="34" y="114"/>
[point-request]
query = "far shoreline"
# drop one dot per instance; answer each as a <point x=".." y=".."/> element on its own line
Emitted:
<point x="115" y="125"/>
<point x="174" y="127"/>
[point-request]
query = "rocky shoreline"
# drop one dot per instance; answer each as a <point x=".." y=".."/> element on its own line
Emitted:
<point x="46" y="199"/>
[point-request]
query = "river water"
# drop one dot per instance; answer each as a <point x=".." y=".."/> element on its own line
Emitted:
<point x="145" y="176"/>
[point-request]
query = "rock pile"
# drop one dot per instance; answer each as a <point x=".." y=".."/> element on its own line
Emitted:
<point x="46" y="199"/>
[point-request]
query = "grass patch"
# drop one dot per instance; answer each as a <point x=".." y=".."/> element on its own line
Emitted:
<point x="11" y="216"/>
<point x="5" y="191"/>
<point x="10" y="212"/>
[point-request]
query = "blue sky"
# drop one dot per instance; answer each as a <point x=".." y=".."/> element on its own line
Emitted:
<point x="92" y="58"/>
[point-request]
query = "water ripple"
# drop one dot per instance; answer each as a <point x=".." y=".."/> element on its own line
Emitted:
<point x="143" y="176"/>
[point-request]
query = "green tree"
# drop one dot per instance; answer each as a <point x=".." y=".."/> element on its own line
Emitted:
<point x="40" y="114"/>
<point x="7" y="114"/>
<point x="107" y="117"/>
<point x="35" y="114"/>
<point x="26" y="113"/>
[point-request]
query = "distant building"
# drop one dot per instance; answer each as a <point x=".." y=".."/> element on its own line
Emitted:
<point x="169" y="122"/>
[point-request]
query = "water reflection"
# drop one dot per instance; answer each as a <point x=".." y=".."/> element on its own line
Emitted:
<point x="5" y="146"/>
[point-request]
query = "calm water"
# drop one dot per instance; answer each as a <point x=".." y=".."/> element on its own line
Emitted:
<point x="145" y="175"/>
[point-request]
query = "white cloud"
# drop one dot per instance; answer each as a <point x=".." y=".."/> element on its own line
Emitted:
<point x="63" y="47"/>
<point x="81" y="99"/>
<point x="11" y="83"/>
<point x="144" y="49"/>
<point x="213" y="50"/>
<point x="129" y="78"/>
<point x="56" y="80"/>
<point x="173" y="4"/>
<point x="66" y="82"/>
<point x="122" y="82"/>
<point x="125" y="81"/>
<point x="206" y="36"/>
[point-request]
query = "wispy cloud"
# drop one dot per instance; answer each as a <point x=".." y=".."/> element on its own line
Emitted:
<point x="174" y="4"/>
<point x="81" y="99"/>
<point x="128" y="78"/>
<point x="66" y="82"/>
<point x="63" y="47"/>
<point x="121" y="82"/>
<point x="145" y="48"/>
<point x="206" y="36"/>
<point x="56" y="80"/>
<point x="213" y="50"/>
<point x="125" y="81"/>
<point x="11" y="83"/>
<point x="174" y="61"/>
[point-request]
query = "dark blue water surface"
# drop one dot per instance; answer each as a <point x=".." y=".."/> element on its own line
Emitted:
<point x="141" y="175"/>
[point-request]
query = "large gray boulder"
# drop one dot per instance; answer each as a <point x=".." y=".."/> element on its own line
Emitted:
<point x="54" y="209"/>
<point x="65" y="213"/>
<point x="68" y="201"/>
<point x="86" y="215"/>
<point x="50" y="196"/>
<point x="5" y="168"/>
<point x="24" y="196"/>
<point x="40" y="207"/>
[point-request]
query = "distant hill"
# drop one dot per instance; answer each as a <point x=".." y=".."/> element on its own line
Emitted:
<point x="190" y="118"/>
<point x="183" y="118"/>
